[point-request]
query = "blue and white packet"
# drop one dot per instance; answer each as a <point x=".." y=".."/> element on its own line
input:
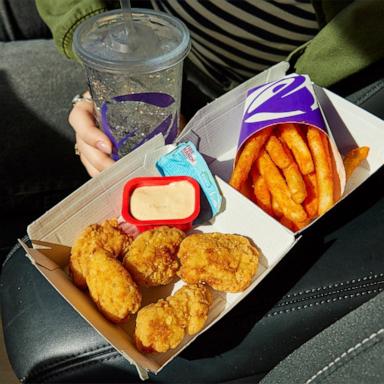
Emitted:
<point x="185" y="160"/>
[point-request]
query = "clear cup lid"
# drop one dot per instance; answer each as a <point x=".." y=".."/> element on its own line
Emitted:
<point x="148" y="41"/>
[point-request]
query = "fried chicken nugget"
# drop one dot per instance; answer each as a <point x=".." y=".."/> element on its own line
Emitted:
<point x="111" y="286"/>
<point x="162" y="326"/>
<point x="158" y="328"/>
<point x="191" y="303"/>
<point x="223" y="261"/>
<point x="152" y="257"/>
<point x="108" y="236"/>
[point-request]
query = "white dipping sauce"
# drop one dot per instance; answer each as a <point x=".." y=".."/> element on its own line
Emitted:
<point x="175" y="200"/>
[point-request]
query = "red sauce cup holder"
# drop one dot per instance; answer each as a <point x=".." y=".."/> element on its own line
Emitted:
<point x="184" y="224"/>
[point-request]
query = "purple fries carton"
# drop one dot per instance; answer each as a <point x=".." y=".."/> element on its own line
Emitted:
<point x="288" y="100"/>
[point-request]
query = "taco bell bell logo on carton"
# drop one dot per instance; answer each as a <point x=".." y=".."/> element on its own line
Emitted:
<point x="288" y="100"/>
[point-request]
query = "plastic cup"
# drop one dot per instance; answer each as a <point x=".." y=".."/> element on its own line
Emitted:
<point x="134" y="76"/>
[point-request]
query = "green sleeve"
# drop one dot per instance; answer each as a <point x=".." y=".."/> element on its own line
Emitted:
<point x="63" y="16"/>
<point x="351" y="41"/>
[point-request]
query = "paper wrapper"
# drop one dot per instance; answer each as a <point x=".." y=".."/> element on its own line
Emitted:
<point x="289" y="100"/>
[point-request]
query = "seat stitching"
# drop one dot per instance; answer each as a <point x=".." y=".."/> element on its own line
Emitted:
<point x="371" y="92"/>
<point x="335" y="285"/>
<point x="347" y="353"/>
<point x="317" y="303"/>
<point x="281" y="304"/>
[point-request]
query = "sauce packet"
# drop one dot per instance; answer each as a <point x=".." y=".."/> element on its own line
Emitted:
<point x="185" y="160"/>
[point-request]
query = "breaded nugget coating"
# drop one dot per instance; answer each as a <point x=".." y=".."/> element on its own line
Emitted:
<point x="162" y="326"/>
<point x="157" y="328"/>
<point x="107" y="236"/>
<point x="113" y="239"/>
<point x="152" y="256"/>
<point x="111" y="287"/>
<point x="84" y="245"/>
<point x="191" y="304"/>
<point x="225" y="262"/>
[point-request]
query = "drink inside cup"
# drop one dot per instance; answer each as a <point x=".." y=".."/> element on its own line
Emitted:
<point x="134" y="72"/>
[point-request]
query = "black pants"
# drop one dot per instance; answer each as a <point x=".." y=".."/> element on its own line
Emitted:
<point x="38" y="166"/>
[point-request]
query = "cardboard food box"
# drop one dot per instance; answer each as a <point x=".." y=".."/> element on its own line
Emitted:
<point x="215" y="131"/>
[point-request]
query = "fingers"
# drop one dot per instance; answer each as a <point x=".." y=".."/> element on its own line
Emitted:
<point x="93" y="160"/>
<point x="83" y="122"/>
<point x="92" y="171"/>
<point x="93" y="145"/>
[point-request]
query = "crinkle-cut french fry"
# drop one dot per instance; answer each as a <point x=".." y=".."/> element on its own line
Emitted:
<point x="248" y="155"/>
<point x="262" y="195"/>
<point x="332" y="165"/>
<point x="279" y="189"/>
<point x="295" y="183"/>
<point x="299" y="225"/>
<point x="277" y="212"/>
<point x="324" y="175"/>
<point x="311" y="203"/>
<point x="282" y="157"/>
<point x="324" y="140"/>
<point x="277" y="153"/>
<point x="294" y="178"/>
<point x="246" y="189"/>
<point x="290" y="134"/>
<point x="294" y="227"/>
<point x="288" y="223"/>
<point x="353" y="159"/>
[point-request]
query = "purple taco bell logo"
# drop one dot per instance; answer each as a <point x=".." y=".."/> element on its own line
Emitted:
<point x="290" y="99"/>
<point x="130" y="120"/>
